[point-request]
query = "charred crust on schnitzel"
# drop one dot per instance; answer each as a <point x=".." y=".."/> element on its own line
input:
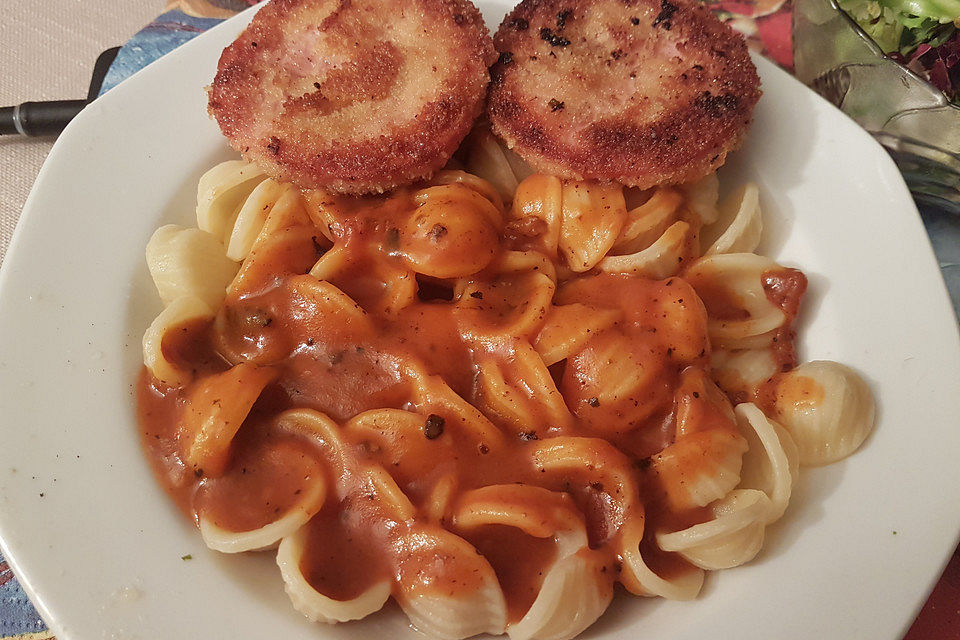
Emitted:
<point x="652" y="91"/>
<point x="355" y="96"/>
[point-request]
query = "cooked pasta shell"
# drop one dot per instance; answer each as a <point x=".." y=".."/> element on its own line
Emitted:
<point x="592" y="460"/>
<point x="392" y="499"/>
<point x="507" y="307"/>
<point x="540" y="196"/>
<point x="740" y="225"/>
<point x="478" y="184"/>
<point x="459" y="194"/>
<point x="661" y="259"/>
<point x="327" y="211"/>
<point x="399" y="284"/>
<point x="647" y="222"/>
<point x="313" y="604"/>
<point x="568" y="328"/>
<point x="827" y="408"/>
<point x="534" y="510"/>
<point x="394" y="438"/>
<point x="452" y="233"/>
<point x="221" y="192"/>
<point x="699" y="468"/>
<point x="702" y="197"/>
<point x="496" y="164"/>
<point x="592" y="216"/>
<point x="323" y="431"/>
<point x="576" y="589"/>
<point x="733" y="537"/>
<point x="613" y="384"/>
<point x="189" y="262"/>
<point x="215" y="409"/>
<point x="640" y="579"/>
<point x="432" y="394"/>
<point x="179" y="312"/>
<point x="522" y="394"/>
<point x="441" y="497"/>
<point x="523" y="262"/>
<point x="741" y="372"/>
<point x="288" y="238"/>
<point x="573" y="595"/>
<point x="269" y="535"/>
<point x="253" y="214"/>
<point x="429" y="556"/>
<point x="771" y="464"/>
<point x="731" y="287"/>
<point x="331" y="263"/>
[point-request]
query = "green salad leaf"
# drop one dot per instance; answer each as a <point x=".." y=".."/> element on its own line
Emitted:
<point x="939" y="10"/>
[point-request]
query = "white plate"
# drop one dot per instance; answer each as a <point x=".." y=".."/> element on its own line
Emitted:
<point x="98" y="544"/>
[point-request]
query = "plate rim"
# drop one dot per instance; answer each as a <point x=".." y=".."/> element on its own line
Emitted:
<point x="13" y="259"/>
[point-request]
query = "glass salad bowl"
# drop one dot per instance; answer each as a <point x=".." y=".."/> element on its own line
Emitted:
<point x="910" y="117"/>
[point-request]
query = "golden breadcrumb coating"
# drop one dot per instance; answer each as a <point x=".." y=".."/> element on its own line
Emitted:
<point x="354" y="96"/>
<point x="641" y="92"/>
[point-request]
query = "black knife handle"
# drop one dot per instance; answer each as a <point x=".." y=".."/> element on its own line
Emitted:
<point x="39" y="118"/>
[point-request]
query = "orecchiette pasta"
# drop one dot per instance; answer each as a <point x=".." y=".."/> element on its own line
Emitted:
<point x="191" y="263"/>
<point x="221" y="192"/>
<point x="315" y="605"/>
<point x="739" y="226"/>
<point x="731" y="286"/>
<point x="490" y="396"/>
<point x="826" y="407"/>
<point x="734" y="535"/>
<point x="592" y="216"/>
<point x="180" y="313"/>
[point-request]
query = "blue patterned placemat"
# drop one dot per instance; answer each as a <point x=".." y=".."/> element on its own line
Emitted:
<point x="167" y="32"/>
<point x="18" y="618"/>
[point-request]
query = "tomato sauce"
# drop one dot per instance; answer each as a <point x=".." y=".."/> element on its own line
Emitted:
<point x="627" y="395"/>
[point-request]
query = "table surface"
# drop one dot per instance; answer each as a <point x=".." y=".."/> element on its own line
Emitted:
<point x="52" y="57"/>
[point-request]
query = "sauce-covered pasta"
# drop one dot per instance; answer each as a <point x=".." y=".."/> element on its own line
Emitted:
<point x="490" y="400"/>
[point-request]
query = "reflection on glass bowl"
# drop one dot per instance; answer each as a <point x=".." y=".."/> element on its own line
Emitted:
<point x="910" y="117"/>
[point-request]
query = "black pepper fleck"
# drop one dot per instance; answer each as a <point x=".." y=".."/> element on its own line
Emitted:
<point x="716" y="106"/>
<point x="667" y="10"/>
<point x="554" y="40"/>
<point x="392" y="240"/>
<point x="433" y="427"/>
<point x="437" y="232"/>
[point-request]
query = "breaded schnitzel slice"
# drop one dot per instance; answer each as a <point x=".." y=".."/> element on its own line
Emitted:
<point x="355" y="96"/>
<point x="642" y="92"/>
